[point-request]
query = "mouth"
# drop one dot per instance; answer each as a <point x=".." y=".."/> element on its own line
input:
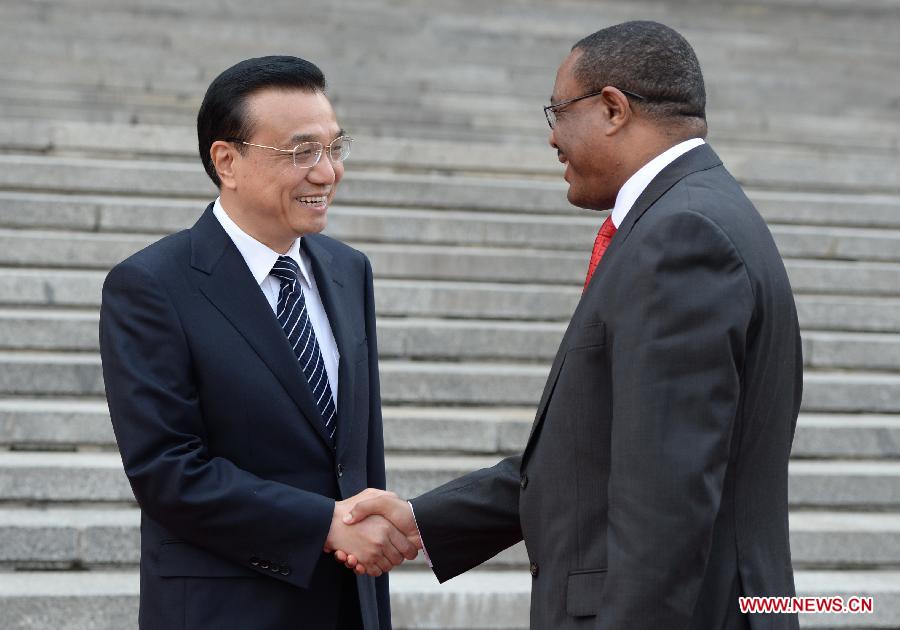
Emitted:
<point x="317" y="202"/>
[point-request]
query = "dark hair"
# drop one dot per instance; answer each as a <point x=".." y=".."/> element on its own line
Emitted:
<point x="648" y="58"/>
<point x="223" y="113"/>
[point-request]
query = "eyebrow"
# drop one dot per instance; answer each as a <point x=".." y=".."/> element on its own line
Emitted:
<point x="308" y="137"/>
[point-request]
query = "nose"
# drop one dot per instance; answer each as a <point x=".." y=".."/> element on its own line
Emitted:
<point x="324" y="172"/>
<point x="552" y="141"/>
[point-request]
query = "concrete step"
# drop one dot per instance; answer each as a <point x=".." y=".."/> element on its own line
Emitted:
<point x="442" y="383"/>
<point x="371" y="193"/>
<point x="521" y="152"/>
<point x="107" y="600"/>
<point x="68" y="330"/>
<point x="68" y="424"/>
<point x="48" y="249"/>
<point x="511" y="118"/>
<point x="78" y="538"/>
<point x="847" y="436"/>
<point x="445" y="339"/>
<point x="387" y="225"/>
<point x="783" y="168"/>
<point x="98" y="478"/>
<point x="409" y="298"/>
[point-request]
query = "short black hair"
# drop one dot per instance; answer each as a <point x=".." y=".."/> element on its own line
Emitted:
<point x="223" y="113"/>
<point x="647" y="58"/>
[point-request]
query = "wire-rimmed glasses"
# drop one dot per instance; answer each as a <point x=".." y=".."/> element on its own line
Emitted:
<point x="308" y="154"/>
<point x="550" y="110"/>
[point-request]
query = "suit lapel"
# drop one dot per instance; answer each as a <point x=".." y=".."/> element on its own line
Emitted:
<point x="330" y="283"/>
<point x="231" y="288"/>
<point x="697" y="159"/>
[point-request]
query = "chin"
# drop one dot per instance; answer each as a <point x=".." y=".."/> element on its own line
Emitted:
<point x="589" y="202"/>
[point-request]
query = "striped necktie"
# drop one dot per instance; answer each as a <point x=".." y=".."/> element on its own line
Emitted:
<point x="294" y="319"/>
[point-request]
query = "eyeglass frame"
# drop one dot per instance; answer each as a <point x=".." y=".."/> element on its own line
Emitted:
<point x="293" y="153"/>
<point x="553" y="108"/>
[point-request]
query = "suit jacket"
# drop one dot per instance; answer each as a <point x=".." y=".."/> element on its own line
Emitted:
<point x="222" y="442"/>
<point x="652" y="492"/>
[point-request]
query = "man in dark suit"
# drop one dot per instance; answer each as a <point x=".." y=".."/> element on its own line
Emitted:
<point x="241" y="372"/>
<point x="652" y="492"/>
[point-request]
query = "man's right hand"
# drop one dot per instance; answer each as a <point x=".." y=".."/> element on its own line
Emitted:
<point x="382" y="505"/>
<point x="376" y="543"/>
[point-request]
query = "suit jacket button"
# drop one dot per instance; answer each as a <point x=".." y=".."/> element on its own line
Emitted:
<point x="254" y="561"/>
<point x="275" y="568"/>
<point x="340" y="470"/>
<point x="264" y="564"/>
<point x="524" y="481"/>
<point x="285" y="571"/>
<point x="534" y="570"/>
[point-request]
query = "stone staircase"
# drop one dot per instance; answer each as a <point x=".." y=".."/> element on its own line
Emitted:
<point x="479" y="260"/>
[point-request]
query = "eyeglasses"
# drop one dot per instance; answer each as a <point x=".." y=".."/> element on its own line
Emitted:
<point x="308" y="154"/>
<point x="550" y="110"/>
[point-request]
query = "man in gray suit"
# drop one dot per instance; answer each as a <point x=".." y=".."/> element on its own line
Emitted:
<point x="670" y="408"/>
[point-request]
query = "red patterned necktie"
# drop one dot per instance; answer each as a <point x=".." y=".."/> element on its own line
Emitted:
<point x="604" y="236"/>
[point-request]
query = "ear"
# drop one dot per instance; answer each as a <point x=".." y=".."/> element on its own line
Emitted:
<point x="223" y="155"/>
<point x="616" y="108"/>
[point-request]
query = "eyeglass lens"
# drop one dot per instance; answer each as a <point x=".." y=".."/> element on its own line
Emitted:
<point x="309" y="153"/>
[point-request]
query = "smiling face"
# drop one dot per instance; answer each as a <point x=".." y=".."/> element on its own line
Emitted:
<point x="263" y="192"/>
<point x="583" y="139"/>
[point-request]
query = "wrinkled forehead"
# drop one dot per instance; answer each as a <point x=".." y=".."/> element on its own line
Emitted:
<point x="566" y="85"/>
<point x="287" y="116"/>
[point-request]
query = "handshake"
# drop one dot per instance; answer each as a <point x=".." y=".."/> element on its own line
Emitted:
<point x="373" y="532"/>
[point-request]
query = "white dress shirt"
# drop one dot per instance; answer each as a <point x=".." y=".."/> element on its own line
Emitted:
<point x="260" y="259"/>
<point x="637" y="183"/>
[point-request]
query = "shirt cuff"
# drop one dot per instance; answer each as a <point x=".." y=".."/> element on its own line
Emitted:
<point x="424" y="550"/>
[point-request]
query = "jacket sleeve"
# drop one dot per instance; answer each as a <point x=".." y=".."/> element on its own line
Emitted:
<point x="471" y="519"/>
<point x="160" y="429"/>
<point x="678" y="348"/>
<point x="375" y="453"/>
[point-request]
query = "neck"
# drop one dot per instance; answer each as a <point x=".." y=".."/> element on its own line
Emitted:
<point x="243" y="220"/>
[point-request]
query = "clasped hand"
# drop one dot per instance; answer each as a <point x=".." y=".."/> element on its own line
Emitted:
<point x="373" y="532"/>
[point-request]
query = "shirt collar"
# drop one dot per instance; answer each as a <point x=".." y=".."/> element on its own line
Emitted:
<point x="638" y="182"/>
<point x="260" y="258"/>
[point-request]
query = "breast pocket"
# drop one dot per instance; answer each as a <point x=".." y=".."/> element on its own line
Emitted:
<point x="589" y="335"/>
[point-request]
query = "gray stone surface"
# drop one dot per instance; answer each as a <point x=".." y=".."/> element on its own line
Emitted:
<point x="844" y="540"/>
<point x="37" y="287"/>
<point x="847" y="436"/>
<point x="70" y="423"/>
<point x="845" y="350"/>
<point x="63" y="477"/>
<point x="432" y="382"/>
<point x="478" y="599"/>
<point x="55" y="423"/>
<point x="857" y="392"/>
<point x="504" y="215"/>
<point x="845" y="484"/>
<point x="43" y="329"/>
<point x="98" y="477"/>
<point x="76" y="374"/>
<point x="97" y="537"/>
<point x="861" y="278"/>
<point x="837" y="243"/>
<point x="69" y="538"/>
<point x="846" y="313"/>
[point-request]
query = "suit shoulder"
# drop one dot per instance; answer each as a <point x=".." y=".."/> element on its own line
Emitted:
<point x="336" y="248"/>
<point x="159" y="257"/>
